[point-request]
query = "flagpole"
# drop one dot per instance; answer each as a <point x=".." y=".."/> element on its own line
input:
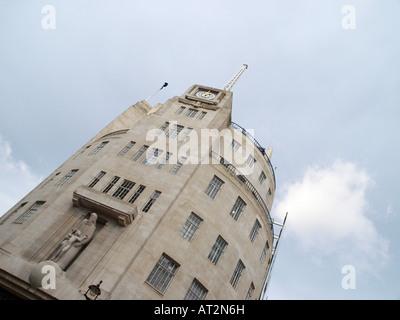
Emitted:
<point x="164" y="85"/>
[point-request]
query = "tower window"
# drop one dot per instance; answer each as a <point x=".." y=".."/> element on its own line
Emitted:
<point x="13" y="213"/>
<point x="238" y="208"/>
<point x="98" y="148"/>
<point x="163" y="273"/>
<point x="235" y="145"/>
<point x="164" y="160"/>
<point x="264" y="252"/>
<point x="202" y="114"/>
<point x="139" y="153"/>
<point x="151" y="201"/>
<point x="180" y="110"/>
<point x="185" y="134"/>
<point x="123" y="189"/>
<point x="96" y="179"/>
<point x="196" y="291"/>
<point x="262" y="177"/>
<point x="250" y="292"/>
<point x="190" y="227"/>
<point x="217" y="250"/>
<point x="237" y="273"/>
<point x="137" y="193"/>
<point x="191" y="113"/>
<point x="269" y="193"/>
<point x="174" y="131"/>
<point x="66" y="178"/>
<point x="163" y="127"/>
<point x="36" y="206"/>
<point x="151" y="157"/>
<point x="214" y="187"/>
<point x="179" y="164"/>
<point x="250" y="161"/>
<point x="113" y="181"/>
<point x="126" y="148"/>
<point x="254" y="231"/>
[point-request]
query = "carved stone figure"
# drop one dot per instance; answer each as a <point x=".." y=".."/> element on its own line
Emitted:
<point x="74" y="241"/>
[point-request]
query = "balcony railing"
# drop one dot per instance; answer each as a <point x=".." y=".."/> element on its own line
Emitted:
<point x="235" y="172"/>
<point x="259" y="147"/>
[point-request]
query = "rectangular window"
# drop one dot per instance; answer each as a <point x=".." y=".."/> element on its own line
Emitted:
<point x="235" y="145"/>
<point x="185" y="134"/>
<point x="123" y="189"/>
<point x="214" y="187"/>
<point x="179" y="164"/>
<point x="174" y="131"/>
<point x="254" y="231"/>
<point x="250" y="161"/>
<point x="151" y="201"/>
<point x="98" y="148"/>
<point x="96" y="179"/>
<point x="66" y="178"/>
<point x="126" y="149"/>
<point x="264" y="252"/>
<point x="190" y="227"/>
<point x="238" y="208"/>
<point x="164" y="160"/>
<point x="202" y="114"/>
<point x="137" y="193"/>
<point x="196" y="291"/>
<point x="269" y="193"/>
<point x="191" y="113"/>
<point x="152" y="156"/>
<point x="5" y="218"/>
<point x="250" y="292"/>
<point x="262" y="177"/>
<point x="163" y="273"/>
<point x="139" y="153"/>
<point x="237" y="273"/>
<point x="217" y="250"/>
<point x="162" y="128"/>
<point x="36" y="206"/>
<point x="180" y="110"/>
<point x="111" y="184"/>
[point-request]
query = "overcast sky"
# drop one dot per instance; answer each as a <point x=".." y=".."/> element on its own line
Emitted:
<point x="322" y="88"/>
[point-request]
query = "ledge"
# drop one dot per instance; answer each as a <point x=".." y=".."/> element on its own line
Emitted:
<point x="111" y="207"/>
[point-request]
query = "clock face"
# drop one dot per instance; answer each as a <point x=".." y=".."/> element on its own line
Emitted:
<point x="205" y="94"/>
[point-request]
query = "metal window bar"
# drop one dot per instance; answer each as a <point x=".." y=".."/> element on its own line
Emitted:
<point x="174" y="131"/>
<point x="151" y="201"/>
<point x="98" y="148"/>
<point x="185" y="134"/>
<point x="113" y="181"/>
<point x="202" y="114"/>
<point x="66" y="178"/>
<point x="162" y="128"/>
<point x="35" y="207"/>
<point x="217" y="250"/>
<point x="162" y="273"/>
<point x="237" y="273"/>
<point x="164" y="160"/>
<point x="196" y="291"/>
<point x="123" y="189"/>
<point x="250" y="292"/>
<point x="151" y="157"/>
<point x="180" y="110"/>
<point x="214" y="187"/>
<point x="96" y="179"/>
<point x="238" y="208"/>
<point x="139" y="153"/>
<point x="137" y="193"/>
<point x="126" y="148"/>
<point x="191" y="113"/>
<point x="179" y="164"/>
<point x="254" y="231"/>
<point x="190" y="227"/>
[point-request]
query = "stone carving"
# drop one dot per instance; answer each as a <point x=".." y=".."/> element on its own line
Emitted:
<point x="74" y="241"/>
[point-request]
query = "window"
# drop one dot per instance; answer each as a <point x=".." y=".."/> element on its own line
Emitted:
<point x="180" y="110"/>
<point x="13" y="213"/>
<point x="269" y="193"/>
<point x="151" y="157"/>
<point x="179" y="164"/>
<point x="98" y="148"/>
<point x="185" y="134"/>
<point x="162" y="128"/>
<point x="196" y="291"/>
<point x="174" y="131"/>
<point x="137" y="193"/>
<point x="250" y="292"/>
<point x="214" y="187"/>
<point x="250" y="161"/>
<point x="262" y="177"/>
<point x="235" y="145"/>
<point x="123" y="189"/>
<point x="163" y="273"/>
<point x="164" y="160"/>
<point x="202" y="114"/>
<point x="126" y="149"/>
<point x="151" y="201"/>
<point x="66" y="178"/>
<point x="217" y="250"/>
<point x="237" y="273"/>
<point x="111" y="184"/>
<point x="264" y="252"/>
<point x="254" y="231"/>
<point x="30" y="212"/>
<point x="190" y="227"/>
<point x="191" y="113"/>
<point x="238" y="208"/>
<point x="139" y="153"/>
<point x="96" y="179"/>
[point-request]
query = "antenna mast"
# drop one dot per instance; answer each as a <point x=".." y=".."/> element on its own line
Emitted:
<point x="230" y="84"/>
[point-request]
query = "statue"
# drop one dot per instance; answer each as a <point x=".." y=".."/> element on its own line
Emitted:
<point x="74" y="241"/>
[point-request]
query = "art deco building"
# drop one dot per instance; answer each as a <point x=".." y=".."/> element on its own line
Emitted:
<point x="166" y="202"/>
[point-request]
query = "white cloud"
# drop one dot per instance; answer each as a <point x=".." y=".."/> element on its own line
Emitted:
<point x="16" y="178"/>
<point x="328" y="216"/>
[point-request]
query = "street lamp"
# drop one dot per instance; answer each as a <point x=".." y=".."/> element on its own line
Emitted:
<point x="93" y="291"/>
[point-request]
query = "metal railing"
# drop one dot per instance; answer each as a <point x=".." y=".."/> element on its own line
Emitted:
<point x="259" y="147"/>
<point x="232" y="169"/>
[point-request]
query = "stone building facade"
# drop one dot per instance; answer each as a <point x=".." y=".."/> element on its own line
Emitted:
<point x="166" y="202"/>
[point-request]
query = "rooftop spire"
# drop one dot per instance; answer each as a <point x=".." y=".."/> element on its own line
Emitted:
<point x="231" y="82"/>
